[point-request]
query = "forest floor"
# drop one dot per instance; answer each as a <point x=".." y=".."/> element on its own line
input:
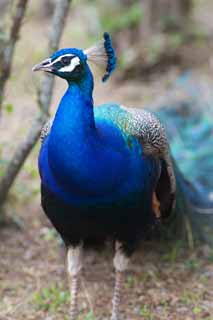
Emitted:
<point x="165" y="282"/>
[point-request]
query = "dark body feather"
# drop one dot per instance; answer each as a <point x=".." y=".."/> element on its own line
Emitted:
<point x="94" y="225"/>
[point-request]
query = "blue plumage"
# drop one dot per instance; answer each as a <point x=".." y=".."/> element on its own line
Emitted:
<point x="106" y="172"/>
<point x="112" y="60"/>
<point x="89" y="160"/>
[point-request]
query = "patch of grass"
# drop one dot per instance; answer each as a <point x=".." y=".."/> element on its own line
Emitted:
<point x="51" y="299"/>
<point x="192" y="264"/>
<point x="176" y="40"/>
<point x="149" y="275"/>
<point x="146" y="313"/>
<point x="197" y="310"/>
<point x="210" y="257"/>
<point x="204" y="279"/>
<point x="174" y="253"/>
<point x="8" y="108"/>
<point x="31" y="170"/>
<point x="165" y="304"/>
<point x="189" y="297"/>
<point x="130" y="281"/>
<point x="89" y="316"/>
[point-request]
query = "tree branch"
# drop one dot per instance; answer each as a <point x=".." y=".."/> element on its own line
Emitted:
<point x="44" y="100"/>
<point x="8" y="50"/>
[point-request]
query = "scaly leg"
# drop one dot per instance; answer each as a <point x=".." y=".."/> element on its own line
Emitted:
<point x="120" y="263"/>
<point x="74" y="266"/>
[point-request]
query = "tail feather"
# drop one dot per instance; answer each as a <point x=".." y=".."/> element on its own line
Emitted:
<point x="189" y="126"/>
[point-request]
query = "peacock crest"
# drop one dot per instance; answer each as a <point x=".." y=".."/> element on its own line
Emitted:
<point x="103" y="54"/>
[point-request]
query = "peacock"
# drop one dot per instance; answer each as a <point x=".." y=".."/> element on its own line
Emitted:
<point x="107" y="173"/>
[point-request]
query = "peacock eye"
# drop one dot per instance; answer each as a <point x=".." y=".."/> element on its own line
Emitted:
<point x="66" y="60"/>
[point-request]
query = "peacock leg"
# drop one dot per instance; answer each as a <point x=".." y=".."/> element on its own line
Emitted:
<point x="120" y="263"/>
<point x="74" y="266"/>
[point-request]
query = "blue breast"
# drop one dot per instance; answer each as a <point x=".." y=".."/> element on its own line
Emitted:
<point x="136" y="177"/>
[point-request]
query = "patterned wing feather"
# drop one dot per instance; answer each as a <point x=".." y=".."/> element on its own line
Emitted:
<point x="148" y="129"/>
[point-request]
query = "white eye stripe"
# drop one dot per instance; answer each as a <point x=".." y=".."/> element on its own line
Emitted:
<point x="73" y="63"/>
<point x="59" y="58"/>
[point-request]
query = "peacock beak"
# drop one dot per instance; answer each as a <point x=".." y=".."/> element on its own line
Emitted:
<point x="45" y="65"/>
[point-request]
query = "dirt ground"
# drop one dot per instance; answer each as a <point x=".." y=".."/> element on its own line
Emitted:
<point x="164" y="282"/>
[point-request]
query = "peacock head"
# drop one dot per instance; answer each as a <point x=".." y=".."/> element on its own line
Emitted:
<point x="71" y="64"/>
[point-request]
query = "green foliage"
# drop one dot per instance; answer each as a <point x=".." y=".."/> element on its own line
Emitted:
<point x="31" y="170"/>
<point x="146" y="313"/>
<point x="89" y="316"/>
<point x="130" y="281"/>
<point x="3" y="162"/>
<point x="174" y="252"/>
<point x="190" y="297"/>
<point x="146" y="276"/>
<point x="196" y="310"/>
<point x="8" y="108"/>
<point x="176" y="40"/>
<point x="210" y="257"/>
<point x="3" y="36"/>
<point x="1" y="172"/>
<point x="192" y="264"/>
<point x="127" y="18"/>
<point x="51" y="299"/>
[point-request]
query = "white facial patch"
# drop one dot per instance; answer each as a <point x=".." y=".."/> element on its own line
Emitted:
<point x="73" y="63"/>
<point x="59" y="58"/>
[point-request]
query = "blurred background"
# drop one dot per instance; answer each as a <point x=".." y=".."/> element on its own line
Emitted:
<point x="156" y="41"/>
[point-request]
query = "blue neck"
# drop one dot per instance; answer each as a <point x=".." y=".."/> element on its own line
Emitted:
<point x="77" y="156"/>
<point x="77" y="105"/>
<point x="85" y="85"/>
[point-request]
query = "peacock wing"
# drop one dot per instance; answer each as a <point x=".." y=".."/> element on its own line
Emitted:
<point x="147" y="128"/>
